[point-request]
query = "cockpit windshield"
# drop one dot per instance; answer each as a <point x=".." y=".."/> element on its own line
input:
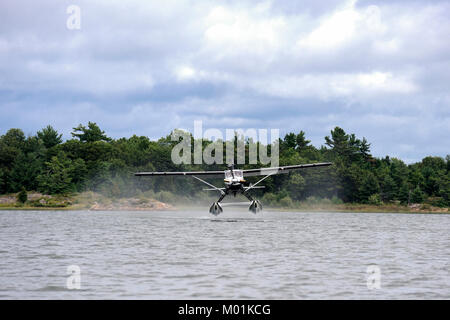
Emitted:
<point x="238" y="174"/>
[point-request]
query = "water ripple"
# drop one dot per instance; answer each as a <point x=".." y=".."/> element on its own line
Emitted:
<point x="181" y="255"/>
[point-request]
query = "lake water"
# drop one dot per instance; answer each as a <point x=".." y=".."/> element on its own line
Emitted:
<point x="192" y="255"/>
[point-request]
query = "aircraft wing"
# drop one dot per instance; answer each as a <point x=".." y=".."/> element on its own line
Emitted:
<point x="285" y="169"/>
<point x="247" y="173"/>
<point x="183" y="173"/>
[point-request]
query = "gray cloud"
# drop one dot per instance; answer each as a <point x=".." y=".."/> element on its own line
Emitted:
<point x="378" y="69"/>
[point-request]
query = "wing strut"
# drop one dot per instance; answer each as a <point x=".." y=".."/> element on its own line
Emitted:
<point x="209" y="184"/>
<point x="260" y="180"/>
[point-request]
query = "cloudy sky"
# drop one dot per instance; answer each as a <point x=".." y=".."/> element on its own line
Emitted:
<point x="379" y="69"/>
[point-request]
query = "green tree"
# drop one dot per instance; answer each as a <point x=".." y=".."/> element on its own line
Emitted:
<point x="92" y="133"/>
<point x="49" y="136"/>
<point x="2" y="181"/>
<point x="78" y="174"/>
<point x="338" y="142"/>
<point x="415" y="176"/>
<point x="364" y="149"/>
<point x="56" y="178"/>
<point x="26" y="168"/>
<point x="301" y="140"/>
<point x="444" y="189"/>
<point x="417" y="195"/>
<point x="399" y="173"/>
<point x="349" y="177"/>
<point x="286" y="202"/>
<point x="289" y="141"/>
<point x="22" y="196"/>
<point x="14" y="138"/>
<point x="296" y="185"/>
<point x="387" y="188"/>
<point x="93" y="161"/>
<point x="369" y="186"/>
<point x="375" y="199"/>
<point x="305" y="149"/>
<point x="11" y="144"/>
<point x="403" y="193"/>
<point x="435" y="163"/>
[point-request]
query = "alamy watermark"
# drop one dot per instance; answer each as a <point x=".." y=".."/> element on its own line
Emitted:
<point x="373" y="277"/>
<point x="253" y="142"/>
<point x="73" y="22"/>
<point x="74" y="279"/>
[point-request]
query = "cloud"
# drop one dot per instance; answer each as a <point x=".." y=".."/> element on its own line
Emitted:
<point x="379" y="69"/>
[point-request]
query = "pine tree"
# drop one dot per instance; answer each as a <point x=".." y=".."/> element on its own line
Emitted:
<point x="56" y="176"/>
<point x="22" y="196"/>
<point x="92" y="133"/>
<point x="403" y="193"/>
<point x="369" y="186"/>
<point x="50" y="137"/>
<point x="417" y="195"/>
<point x="296" y="185"/>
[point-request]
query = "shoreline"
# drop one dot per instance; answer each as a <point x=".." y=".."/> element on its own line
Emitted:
<point x="91" y="201"/>
<point x="365" y="209"/>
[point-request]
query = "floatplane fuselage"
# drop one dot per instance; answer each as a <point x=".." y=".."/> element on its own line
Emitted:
<point x="235" y="183"/>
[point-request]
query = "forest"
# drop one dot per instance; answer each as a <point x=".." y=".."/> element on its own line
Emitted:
<point x="92" y="161"/>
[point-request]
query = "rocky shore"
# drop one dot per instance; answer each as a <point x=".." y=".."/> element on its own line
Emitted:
<point x="82" y="201"/>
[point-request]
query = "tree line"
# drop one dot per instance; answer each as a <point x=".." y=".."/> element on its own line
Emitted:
<point x="92" y="161"/>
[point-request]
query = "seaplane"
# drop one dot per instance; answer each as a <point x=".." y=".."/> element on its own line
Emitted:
<point x="234" y="180"/>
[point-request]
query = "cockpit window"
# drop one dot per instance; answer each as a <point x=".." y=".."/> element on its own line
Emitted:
<point x="238" y="174"/>
<point x="228" y="174"/>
